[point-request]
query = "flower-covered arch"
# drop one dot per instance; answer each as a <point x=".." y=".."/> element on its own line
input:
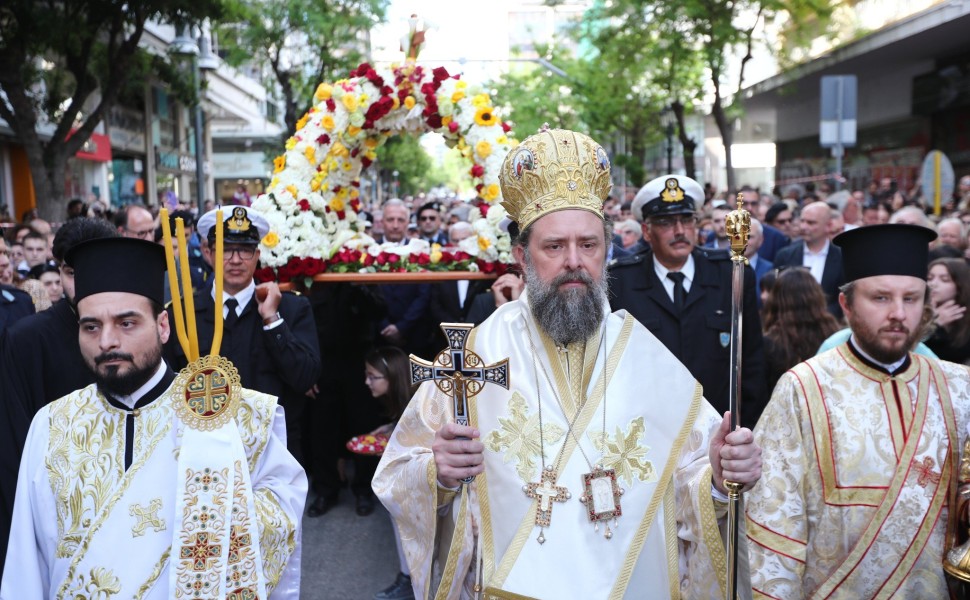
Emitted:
<point x="313" y="201"/>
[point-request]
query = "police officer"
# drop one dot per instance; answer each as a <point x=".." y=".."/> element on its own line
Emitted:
<point x="682" y="294"/>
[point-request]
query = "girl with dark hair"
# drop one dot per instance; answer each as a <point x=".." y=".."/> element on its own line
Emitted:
<point x="388" y="375"/>
<point x="948" y="281"/>
<point x="796" y="322"/>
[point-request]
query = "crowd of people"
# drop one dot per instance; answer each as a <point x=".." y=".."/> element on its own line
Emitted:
<point x="605" y="294"/>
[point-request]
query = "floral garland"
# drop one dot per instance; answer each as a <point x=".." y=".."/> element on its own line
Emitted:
<point x="313" y="201"/>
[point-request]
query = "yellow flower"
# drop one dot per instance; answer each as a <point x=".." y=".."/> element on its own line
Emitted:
<point x="461" y="85"/>
<point x="290" y="143"/>
<point x="302" y="121"/>
<point x="363" y="99"/>
<point x="485" y="117"/>
<point x="278" y="163"/>
<point x="371" y="143"/>
<point x="457" y="96"/>
<point x="409" y="102"/>
<point x="484" y="243"/>
<point x="481" y="100"/>
<point x="346" y="166"/>
<point x="339" y="149"/>
<point x="274" y="182"/>
<point x="355" y="193"/>
<point x="396" y="103"/>
<point x="337" y="204"/>
<point x="324" y="91"/>
<point x="350" y="102"/>
<point x="446" y="120"/>
<point x="292" y="190"/>
<point x="483" y="149"/>
<point x="327" y="122"/>
<point x="490" y="192"/>
<point x="435" y="253"/>
<point x="371" y="155"/>
<point x="352" y="131"/>
<point x="310" y="154"/>
<point x="271" y="239"/>
<point x="501" y="140"/>
<point x="315" y="183"/>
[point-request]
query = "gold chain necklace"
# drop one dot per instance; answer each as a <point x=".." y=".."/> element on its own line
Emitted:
<point x="601" y="492"/>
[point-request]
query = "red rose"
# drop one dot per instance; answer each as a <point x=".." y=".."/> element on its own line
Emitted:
<point x="304" y="204"/>
<point x="413" y="259"/>
<point x="355" y="183"/>
<point x="265" y="274"/>
<point x="483" y="208"/>
<point x="337" y="189"/>
<point x="355" y="204"/>
<point x="429" y="89"/>
<point x="460" y="256"/>
<point x="434" y="121"/>
<point x="323" y="140"/>
<point x="393" y="258"/>
<point x="368" y="124"/>
<point x="477" y="170"/>
<point x="365" y="162"/>
<point x="368" y="260"/>
<point x="453" y="127"/>
<point x="382" y="258"/>
<point x="479" y="187"/>
<point x="331" y="105"/>
<point x="485" y="267"/>
<point x="341" y="214"/>
<point x="506" y="127"/>
<point x="361" y="69"/>
<point x="387" y="90"/>
<point x="440" y="74"/>
<point x="423" y="259"/>
<point x="354" y="152"/>
<point x="447" y="257"/>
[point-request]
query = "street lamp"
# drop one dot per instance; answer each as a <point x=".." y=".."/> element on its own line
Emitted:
<point x="667" y="119"/>
<point x="202" y="61"/>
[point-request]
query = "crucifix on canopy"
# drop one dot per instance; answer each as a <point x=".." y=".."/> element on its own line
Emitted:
<point x="459" y="372"/>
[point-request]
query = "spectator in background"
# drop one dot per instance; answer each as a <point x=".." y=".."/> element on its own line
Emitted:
<point x="75" y="208"/>
<point x="18" y="260"/>
<point x="758" y="263"/>
<point x="815" y="252"/>
<point x="387" y="373"/>
<point x="911" y="215"/>
<point x="35" y="249"/>
<point x="952" y="233"/>
<point x="50" y="277"/>
<point x="948" y="280"/>
<point x="875" y="213"/>
<point x="429" y="224"/>
<point x="796" y="322"/>
<point x="705" y="230"/>
<point x="631" y="236"/>
<point x="135" y="221"/>
<point x="777" y="228"/>
<point x="719" y="221"/>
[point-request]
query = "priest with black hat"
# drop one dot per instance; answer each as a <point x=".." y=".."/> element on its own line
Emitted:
<point x="682" y="294"/>
<point x="148" y="481"/>
<point x="861" y="442"/>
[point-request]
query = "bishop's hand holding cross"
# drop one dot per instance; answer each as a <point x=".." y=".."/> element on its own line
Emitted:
<point x="461" y="374"/>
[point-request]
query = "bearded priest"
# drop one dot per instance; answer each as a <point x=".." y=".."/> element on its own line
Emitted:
<point x="599" y="471"/>
<point x="147" y="483"/>
<point x="861" y="443"/>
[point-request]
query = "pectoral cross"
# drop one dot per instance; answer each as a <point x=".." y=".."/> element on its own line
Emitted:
<point x="925" y="474"/>
<point x="546" y="491"/>
<point x="459" y="372"/>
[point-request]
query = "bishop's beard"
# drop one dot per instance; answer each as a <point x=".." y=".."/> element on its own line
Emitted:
<point x="570" y="315"/>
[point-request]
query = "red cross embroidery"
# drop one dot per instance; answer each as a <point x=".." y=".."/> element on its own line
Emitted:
<point x="200" y="551"/>
<point x="925" y="473"/>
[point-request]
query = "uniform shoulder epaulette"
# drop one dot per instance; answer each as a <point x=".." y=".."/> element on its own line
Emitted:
<point x="625" y="261"/>
<point x="294" y="292"/>
<point x="9" y="293"/>
<point x="715" y="253"/>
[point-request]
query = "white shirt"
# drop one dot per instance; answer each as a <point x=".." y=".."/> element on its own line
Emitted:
<point x="135" y="396"/>
<point x="687" y="270"/>
<point x="242" y="298"/>
<point x="462" y="291"/>
<point x="815" y="261"/>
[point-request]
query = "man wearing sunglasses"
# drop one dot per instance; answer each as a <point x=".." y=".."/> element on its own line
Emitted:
<point x="270" y="337"/>
<point x="682" y="294"/>
<point x="429" y="224"/>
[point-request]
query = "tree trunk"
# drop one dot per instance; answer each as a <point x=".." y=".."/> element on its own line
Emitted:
<point x="688" y="143"/>
<point x="724" y="126"/>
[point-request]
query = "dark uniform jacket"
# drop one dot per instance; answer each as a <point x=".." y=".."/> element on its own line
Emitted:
<point x="14" y="305"/>
<point x="283" y="361"/>
<point x="700" y="337"/>
<point x="793" y="255"/>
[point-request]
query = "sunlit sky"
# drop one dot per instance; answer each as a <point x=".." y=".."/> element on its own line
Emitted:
<point x="468" y="37"/>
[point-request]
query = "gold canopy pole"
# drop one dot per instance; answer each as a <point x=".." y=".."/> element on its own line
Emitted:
<point x="173" y="283"/>
<point x="738" y="228"/>
<point x="192" y="332"/>
<point x="217" y="333"/>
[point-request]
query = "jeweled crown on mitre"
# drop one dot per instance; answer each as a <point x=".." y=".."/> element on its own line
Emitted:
<point x="555" y="169"/>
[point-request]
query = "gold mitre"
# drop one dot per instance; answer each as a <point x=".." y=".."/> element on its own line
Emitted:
<point x="555" y="169"/>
